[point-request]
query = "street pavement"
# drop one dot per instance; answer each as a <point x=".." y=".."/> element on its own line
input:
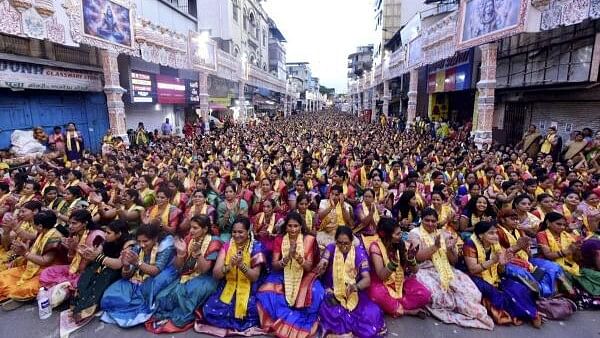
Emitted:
<point x="24" y="323"/>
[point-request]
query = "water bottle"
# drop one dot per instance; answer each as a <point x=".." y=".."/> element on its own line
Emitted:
<point x="44" y="309"/>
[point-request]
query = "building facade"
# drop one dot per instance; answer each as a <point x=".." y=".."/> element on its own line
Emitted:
<point x="537" y="64"/>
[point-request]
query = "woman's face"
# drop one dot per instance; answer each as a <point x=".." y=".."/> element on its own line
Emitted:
<point x="475" y="190"/>
<point x="300" y="188"/>
<point x="397" y="235"/>
<point x="265" y="185"/>
<point x="239" y="233"/>
<point x="288" y="166"/>
<point x="229" y="194"/>
<point x="303" y="205"/>
<point x="572" y="200"/>
<point x="498" y="180"/>
<point x="344" y="243"/>
<point x="75" y="226"/>
<point x="558" y="226"/>
<point x="146" y="243"/>
<point x="429" y="222"/>
<point x="547" y="203"/>
<point x="198" y="198"/>
<point x="161" y="199"/>
<point x="172" y="186"/>
<point x="510" y="222"/>
<point x="368" y="197"/>
<point x="436" y="200"/>
<point x="196" y="230"/>
<point x="481" y="204"/>
<point x="490" y="236"/>
<point x="51" y="195"/>
<point x="267" y="207"/>
<point x="69" y="197"/>
<point x="26" y="214"/>
<point x="293" y="228"/>
<point x="593" y="200"/>
<point x="413" y="202"/>
<point x="376" y="182"/>
<point x="112" y="236"/>
<point x="142" y="185"/>
<point x="524" y="205"/>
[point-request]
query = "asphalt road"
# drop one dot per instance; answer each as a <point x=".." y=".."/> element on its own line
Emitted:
<point x="24" y="323"/>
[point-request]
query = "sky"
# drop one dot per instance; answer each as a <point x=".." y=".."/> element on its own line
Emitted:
<point x="323" y="32"/>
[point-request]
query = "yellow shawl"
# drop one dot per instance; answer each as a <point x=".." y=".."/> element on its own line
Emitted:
<point x="363" y="177"/>
<point x="164" y="217"/>
<point x="344" y="274"/>
<point x="491" y="274"/>
<point x="139" y="276"/>
<point x="512" y="240"/>
<point x="567" y="263"/>
<point x="293" y="271"/>
<point x="204" y="242"/>
<point x="271" y="226"/>
<point x="395" y="281"/>
<point x="236" y="281"/>
<point x="376" y="216"/>
<point x="38" y="249"/>
<point x="72" y="134"/>
<point x="77" y="258"/>
<point x="439" y="258"/>
<point x="308" y="219"/>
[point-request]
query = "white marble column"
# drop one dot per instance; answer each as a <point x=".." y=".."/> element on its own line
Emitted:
<point x="387" y="96"/>
<point x="204" y="104"/>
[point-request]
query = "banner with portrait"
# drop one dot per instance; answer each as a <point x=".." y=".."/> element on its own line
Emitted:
<point x="482" y="21"/>
<point x="108" y="20"/>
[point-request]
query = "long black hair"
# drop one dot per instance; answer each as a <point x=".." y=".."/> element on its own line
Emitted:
<point x="402" y="209"/>
<point x="296" y="217"/>
<point x="385" y="230"/>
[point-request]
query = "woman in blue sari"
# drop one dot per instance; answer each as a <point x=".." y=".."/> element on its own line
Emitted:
<point x="289" y="299"/>
<point x="195" y="258"/>
<point x="232" y="309"/>
<point x="147" y="270"/>
<point x="507" y="301"/>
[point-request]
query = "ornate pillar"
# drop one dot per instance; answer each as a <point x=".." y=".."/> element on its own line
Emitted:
<point x="486" y="88"/>
<point x="387" y="96"/>
<point x="114" y="94"/>
<point x="412" y="97"/>
<point x="204" y="105"/>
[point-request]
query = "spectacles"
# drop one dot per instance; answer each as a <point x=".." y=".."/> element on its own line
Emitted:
<point x="343" y="244"/>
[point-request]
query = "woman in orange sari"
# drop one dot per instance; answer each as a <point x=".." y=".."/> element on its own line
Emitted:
<point x="289" y="299"/>
<point x="21" y="284"/>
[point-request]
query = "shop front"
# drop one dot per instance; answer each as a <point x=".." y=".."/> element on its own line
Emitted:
<point x="451" y="88"/>
<point x="35" y="93"/>
<point x="156" y="93"/>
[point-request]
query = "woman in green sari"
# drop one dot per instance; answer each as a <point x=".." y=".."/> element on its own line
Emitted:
<point x="229" y="210"/>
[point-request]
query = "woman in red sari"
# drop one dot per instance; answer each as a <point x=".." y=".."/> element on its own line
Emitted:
<point x="289" y="299"/>
<point x="265" y="224"/>
<point x="262" y="194"/>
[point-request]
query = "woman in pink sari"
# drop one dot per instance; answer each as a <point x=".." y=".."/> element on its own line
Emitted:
<point x="393" y="284"/>
<point x="83" y="233"/>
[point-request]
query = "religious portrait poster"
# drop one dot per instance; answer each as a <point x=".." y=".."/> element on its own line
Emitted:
<point x="482" y="21"/>
<point x="108" y="20"/>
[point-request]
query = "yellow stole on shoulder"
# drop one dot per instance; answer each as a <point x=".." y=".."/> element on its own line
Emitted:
<point x="202" y="211"/>
<point x="344" y="274"/>
<point x="339" y="215"/>
<point x="37" y="249"/>
<point x="395" y="281"/>
<point x="512" y="240"/>
<point x="308" y="219"/>
<point x="439" y="258"/>
<point x="139" y="276"/>
<point x="293" y="271"/>
<point x="271" y="225"/>
<point x="363" y="177"/>
<point x="164" y="216"/>
<point x="567" y="263"/>
<point x="236" y="281"/>
<point x="205" y="241"/>
<point x="72" y="134"/>
<point x="491" y="274"/>
<point x="74" y="266"/>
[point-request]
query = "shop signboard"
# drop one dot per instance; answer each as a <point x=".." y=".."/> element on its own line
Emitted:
<point x="22" y="75"/>
<point x="142" y="88"/>
<point x="193" y="92"/>
<point x="451" y="74"/>
<point x="170" y="90"/>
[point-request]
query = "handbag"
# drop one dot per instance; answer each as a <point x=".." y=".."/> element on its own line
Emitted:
<point x="557" y="308"/>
